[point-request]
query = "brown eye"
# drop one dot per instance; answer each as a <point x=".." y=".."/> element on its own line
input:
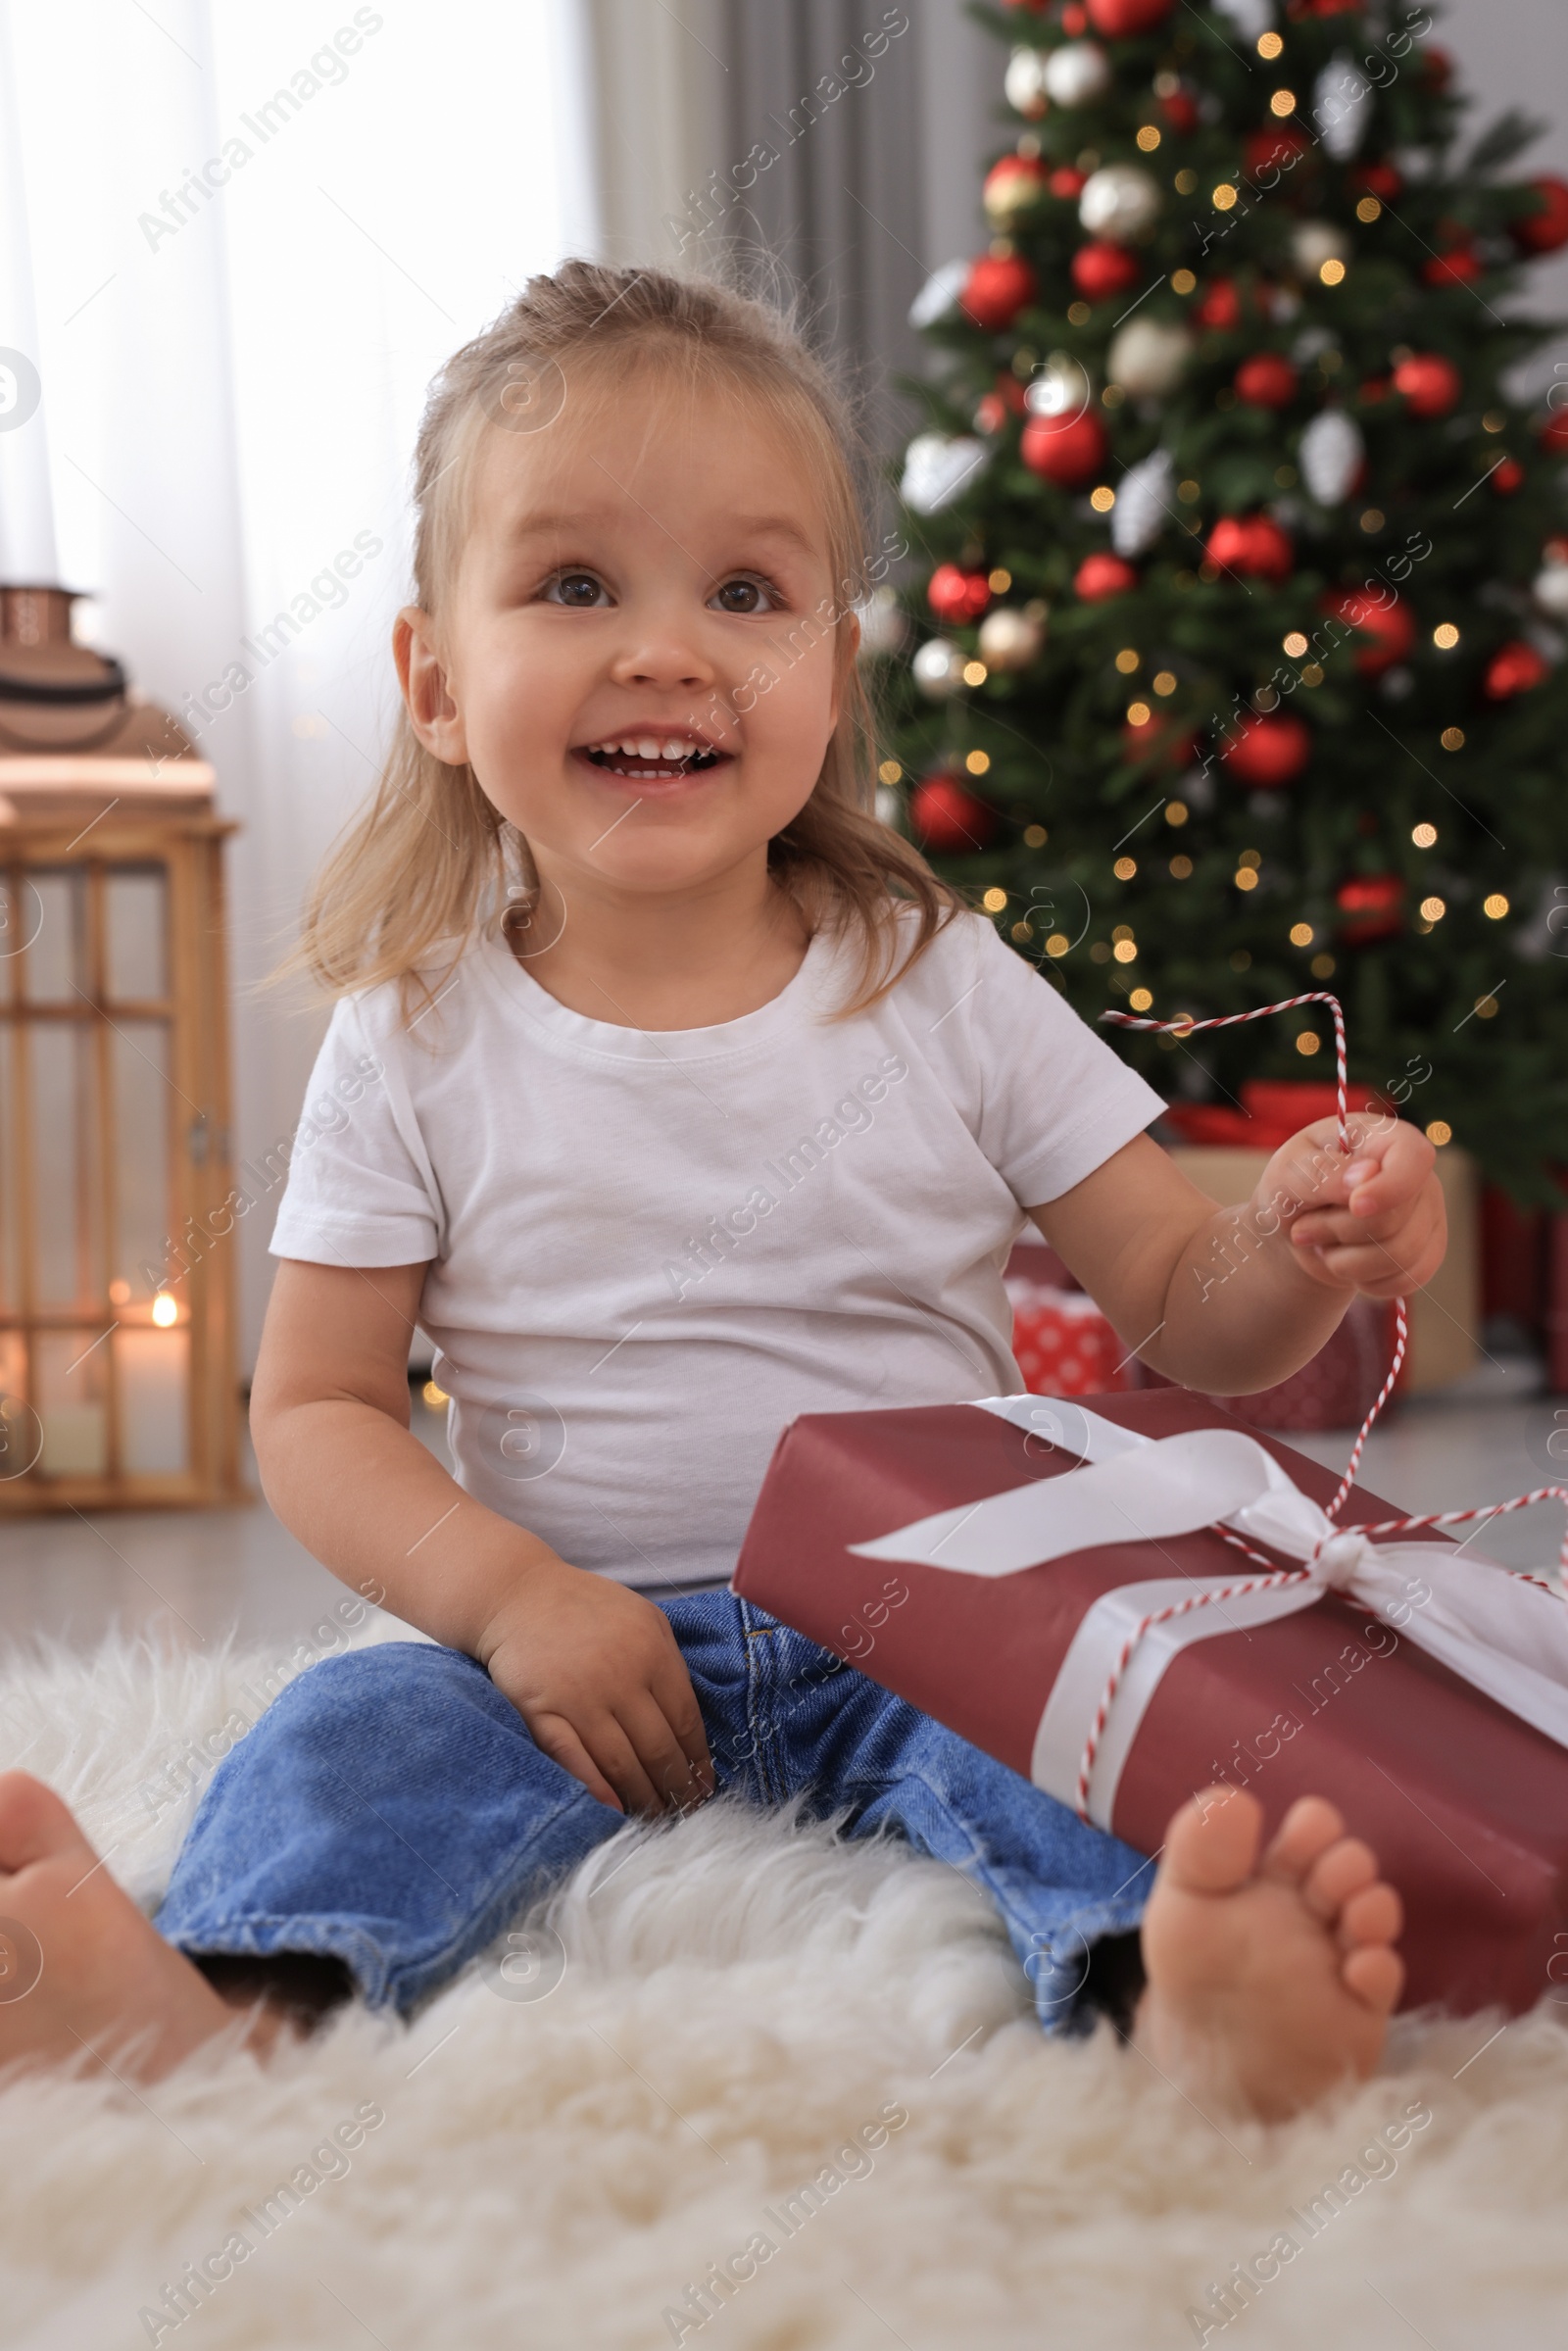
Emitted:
<point x="580" y="591"/>
<point x="743" y="595"/>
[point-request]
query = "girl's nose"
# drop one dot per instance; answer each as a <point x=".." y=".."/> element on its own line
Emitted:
<point x="662" y="655"/>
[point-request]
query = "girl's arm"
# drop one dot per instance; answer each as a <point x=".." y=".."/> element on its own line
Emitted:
<point x="593" y="1668"/>
<point x="1228" y="1301"/>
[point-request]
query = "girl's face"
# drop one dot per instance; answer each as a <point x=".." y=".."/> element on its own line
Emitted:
<point x="638" y="657"/>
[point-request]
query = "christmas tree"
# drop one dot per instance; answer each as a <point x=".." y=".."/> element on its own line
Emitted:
<point x="1236" y="641"/>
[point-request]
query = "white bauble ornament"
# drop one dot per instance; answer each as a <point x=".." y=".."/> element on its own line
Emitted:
<point x="1143" y="505"/>
<point x="939" y="293"/>
<point x="1076" y="73"/>
<point x="1059" y="388"/>
<point x="1341" y="107"/>
<point x="888" y="808"/>
<point x="1332" y="451"/>
<point x="939" y="468"/>
<point x="1315" y="242"/>
<point x="1010" y="639"/>
<point x="1149" y="357"/>
<point x="1024" y="83"/>
<point x="938" y="668"/>
<point x="1551" y="589"/>
<point x="1119" y="201"/>
<point x="883" y="626"/>
<point x="1250" y="17"/>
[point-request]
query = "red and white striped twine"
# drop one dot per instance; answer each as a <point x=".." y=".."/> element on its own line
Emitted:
<point x="1277" y="1577"/>
<point x="1185" y="1027"/>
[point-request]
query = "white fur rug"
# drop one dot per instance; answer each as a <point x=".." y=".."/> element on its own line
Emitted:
<point x="745" y="2007"/>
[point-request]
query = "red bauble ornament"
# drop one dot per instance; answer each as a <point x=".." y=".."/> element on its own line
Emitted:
<point x="1035" y="8"/>
<point x="1251" y="544"/>
<point x="1431" y="385"/>
<point x="1514" y="668"/>
<point x="1390" y="627"/>
<point x="957" y="597"/>
<point x="1122" y="20"/>
<point x="1437" y="67"/>
<point x="1274" y="148"/>
<point x="1369" y="908"/>
<point x="1074" y="20"/>
<point x="1268" y="751"/>
<point x="1157" y="740"/>
<point x="1100" y="576"/>
<point x="1011" y="184"/>
<point x="1267" y="380"/>
<point x="1378" y="179"/>
<point x="1066" y="450"/>
<point x="1004" y="400"/>
<point x="1461" y="266"/>
<point x="1508" y="477"/>
<point x="1100" y="270"/>
<point x="1219" y="305"/>
<point x="1554" y="434"/>
<point x="1068" y="181"/>
<point x="1180" y="111"/>
<point x="996" y="291"/>
<point x="947" y="816"/>
<point x="1545" y="229"/>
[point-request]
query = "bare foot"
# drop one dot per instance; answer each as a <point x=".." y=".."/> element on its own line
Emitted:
<point x="81" y="1968"/>
<point x="1268" y="1981"/>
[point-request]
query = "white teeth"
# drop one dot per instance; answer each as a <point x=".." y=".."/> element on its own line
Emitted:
<point x="650" y="747"/>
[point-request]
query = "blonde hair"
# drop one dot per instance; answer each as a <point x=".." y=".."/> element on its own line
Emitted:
<point x="431" y="862"/>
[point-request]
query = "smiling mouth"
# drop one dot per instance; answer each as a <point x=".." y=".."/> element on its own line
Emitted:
<point x="639" y="766"/>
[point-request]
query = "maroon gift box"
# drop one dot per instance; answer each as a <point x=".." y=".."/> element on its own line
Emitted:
<point x="1465" y="1805"/>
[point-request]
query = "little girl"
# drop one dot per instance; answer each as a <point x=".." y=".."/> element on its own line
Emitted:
<point x="680" y="1097"/>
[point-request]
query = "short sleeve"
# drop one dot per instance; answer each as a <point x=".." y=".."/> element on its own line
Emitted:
<point x="361" y="1189"/>
<point x="1058" y="1099"/>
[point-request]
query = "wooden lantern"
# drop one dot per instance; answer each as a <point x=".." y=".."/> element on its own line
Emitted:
<point x="117" y="1374"/>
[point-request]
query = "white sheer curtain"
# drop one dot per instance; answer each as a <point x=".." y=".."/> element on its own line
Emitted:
<point x="232" y="379"/>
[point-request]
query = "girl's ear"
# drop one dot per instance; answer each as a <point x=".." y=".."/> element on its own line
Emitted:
<point x="843" y="665"/>
<point x="432" y="712"/>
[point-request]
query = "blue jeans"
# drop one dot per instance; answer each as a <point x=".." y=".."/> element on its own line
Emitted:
<point x="390" y="1810"/>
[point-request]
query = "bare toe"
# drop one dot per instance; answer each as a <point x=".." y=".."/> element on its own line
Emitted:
<point x="34" y="1823"/>
<point x="1343" y="1870"/>
<point x="1375" y="1975"/>
<point x="1211" y="1845"/>
<point x="1306" y="1832"/>
<point x="1375" y="1915"/>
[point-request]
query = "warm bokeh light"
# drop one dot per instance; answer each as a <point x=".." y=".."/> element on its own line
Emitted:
<point x="1423" y="835"/>
<point x="974" y="673"/>
<point x="164" y="1310"/>
<point x="1308" y="1042"/>
<point x="1302" y="934"/>
<point x="1124" y="868"/>
<point x="977" y="762"/>
<point x="1440" y="1132"/>
<point x="1433" y="909"/>
<point x="1445" y="635"/>
<point x="1495" y="905"/>
<point x="1139" y="1000"/>
<point x="994" y="900"/>
<point x="1296" y="644"/>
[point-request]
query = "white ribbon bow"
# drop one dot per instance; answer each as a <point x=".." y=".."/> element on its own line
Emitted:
<point x="1504" y="1633"/>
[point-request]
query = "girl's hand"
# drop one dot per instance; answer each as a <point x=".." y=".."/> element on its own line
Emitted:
<point x="596" y="1674"/>
<point x="1375" y="1221"/>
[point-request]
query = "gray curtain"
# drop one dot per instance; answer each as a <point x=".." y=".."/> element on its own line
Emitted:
<point x="879" y="152"/>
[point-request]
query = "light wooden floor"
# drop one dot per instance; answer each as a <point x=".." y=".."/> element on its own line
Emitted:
<point x="201" y="1575"/>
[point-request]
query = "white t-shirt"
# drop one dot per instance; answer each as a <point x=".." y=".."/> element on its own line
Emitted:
<point x="650" y="1250"/>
